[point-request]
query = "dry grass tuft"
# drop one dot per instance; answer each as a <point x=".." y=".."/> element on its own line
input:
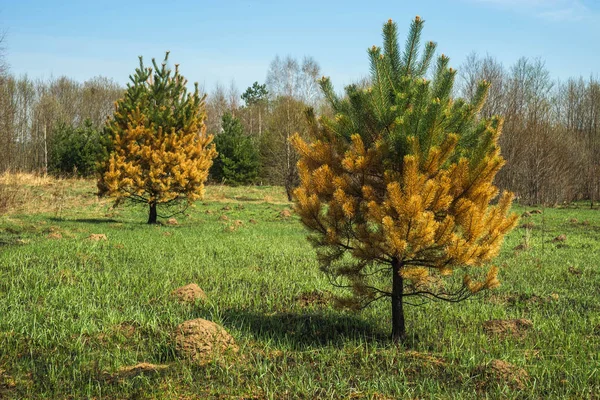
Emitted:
<point x="22" y="193"/>
<point x="25" y="179"/>
<point x="96" y="237"/>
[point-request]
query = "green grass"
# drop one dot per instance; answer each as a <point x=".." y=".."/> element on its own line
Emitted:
<point x="74" y="311"/>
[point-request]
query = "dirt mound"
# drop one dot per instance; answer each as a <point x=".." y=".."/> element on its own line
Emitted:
<point x="238" y="222"/>
<point x="285" y="213"/>
<point x="172" y="221"/>
<point x="199" y="340"/>
<point x="573" y="220"/>
<point x="535" y="212"/>
<point x="54" y="235"/>
<point x="189" y="293"/>
<point x="529" y="225"/>
<point x="507" y="327"/>
<point x="500" y="372"/>
<point x="224" y="217"/>
<point x="97" y="237"/>
<point x="226" y="208"/>
<point x="230" y="228"/>
<point x="526" y="214"/>
<point x="560" y="238"/>
<point x="253" y="221"/>
<point x="522" y="246"/>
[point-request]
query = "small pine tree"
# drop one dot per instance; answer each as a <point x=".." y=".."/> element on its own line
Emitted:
<point x="396" y="188"/>
<point x="238" y="161"/>
<point x="160" y="151"/>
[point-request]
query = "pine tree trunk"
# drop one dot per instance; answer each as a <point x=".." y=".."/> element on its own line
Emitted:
<point x="152" y="216"/>
<point x="398" y="327"/>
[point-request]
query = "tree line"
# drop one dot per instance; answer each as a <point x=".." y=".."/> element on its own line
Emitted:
<point x="551" y="134"/>
<point x="550" y="140"/>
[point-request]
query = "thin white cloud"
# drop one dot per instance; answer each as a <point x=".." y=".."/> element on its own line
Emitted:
<point x="550" y="10"/>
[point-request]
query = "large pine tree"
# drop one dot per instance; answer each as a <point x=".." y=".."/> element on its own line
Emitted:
<point x="160" y="151"/>
<point x="396" y="188"/>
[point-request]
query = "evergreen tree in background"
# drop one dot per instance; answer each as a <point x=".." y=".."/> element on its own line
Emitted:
<point x="161" y="152"/>
<point x="238" y="160"/>
<point x="256" y="99"/>
<point x="396" y="187"/>
<point x="76" y="151"/>
<point x="255" y="94"/>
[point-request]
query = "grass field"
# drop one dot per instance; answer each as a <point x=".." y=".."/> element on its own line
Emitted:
<point x="74" y="312"/>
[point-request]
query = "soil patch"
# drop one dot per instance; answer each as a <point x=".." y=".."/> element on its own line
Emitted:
<point x="172" y="221"/>
<point x="132" y="371"/>
<point x="125" y="329"/>
<point x="314" y="298"/>
<point x="521" y="247"/>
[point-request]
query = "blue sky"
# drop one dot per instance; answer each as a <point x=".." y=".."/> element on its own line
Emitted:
<point x="220" y="41"/>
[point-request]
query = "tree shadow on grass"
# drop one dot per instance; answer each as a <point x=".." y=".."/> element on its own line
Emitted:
<point x="85" y="220"/>
<point x="304" y="330"/>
